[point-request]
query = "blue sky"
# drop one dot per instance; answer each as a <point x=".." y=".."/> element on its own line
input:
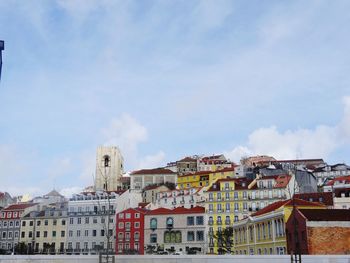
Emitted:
<point x="165" y="79"/>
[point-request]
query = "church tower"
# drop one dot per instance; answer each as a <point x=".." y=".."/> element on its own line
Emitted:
<point x="109" y="168"/>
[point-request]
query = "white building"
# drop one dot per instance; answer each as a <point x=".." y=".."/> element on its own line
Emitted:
<point x="186" y="198"/>
<point x="109" y="168"/>
<point x="141" y="178"/>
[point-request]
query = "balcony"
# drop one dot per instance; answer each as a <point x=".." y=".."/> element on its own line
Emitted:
<point x="219" y="222"/>
<point x="210" y="222"/>
<point x="227" y="222"/>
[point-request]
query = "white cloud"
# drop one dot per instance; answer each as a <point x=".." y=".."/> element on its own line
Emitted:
<point x="151" y="161"/>
<point x="319" y="142"/>
<point x="69" y="191"/>
<point x="127" y="133"/>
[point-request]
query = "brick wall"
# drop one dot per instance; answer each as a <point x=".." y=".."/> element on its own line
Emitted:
<point x="328" y="240"/>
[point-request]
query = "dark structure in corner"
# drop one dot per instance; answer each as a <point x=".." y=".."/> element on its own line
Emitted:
<point x="2" y="47"/>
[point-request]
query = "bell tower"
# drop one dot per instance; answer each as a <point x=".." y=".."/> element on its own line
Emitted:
<point x="109" y="168"/>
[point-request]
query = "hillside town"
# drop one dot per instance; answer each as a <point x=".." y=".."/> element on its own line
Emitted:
<point x="202" y="204"/>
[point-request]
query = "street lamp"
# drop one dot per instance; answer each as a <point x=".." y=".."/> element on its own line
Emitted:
<point x="2" y="47"/>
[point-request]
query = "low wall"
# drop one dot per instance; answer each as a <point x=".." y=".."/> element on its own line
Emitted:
<point x="173" y="259"/>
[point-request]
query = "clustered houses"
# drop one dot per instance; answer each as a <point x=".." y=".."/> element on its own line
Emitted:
<point x="197" y="205"/>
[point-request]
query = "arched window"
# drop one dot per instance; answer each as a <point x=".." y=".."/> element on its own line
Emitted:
<point x="169" y="223"/>
<point x="106" y="161"/>
<point x="153" y="223"/>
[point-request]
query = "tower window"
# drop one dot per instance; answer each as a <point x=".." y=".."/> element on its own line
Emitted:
<point x="106" y="161"/>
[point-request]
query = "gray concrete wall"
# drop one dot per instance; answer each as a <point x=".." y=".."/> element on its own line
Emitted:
<point x="172" y="259"/>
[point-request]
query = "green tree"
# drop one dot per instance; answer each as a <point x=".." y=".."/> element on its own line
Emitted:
<point x="224" y="239"/>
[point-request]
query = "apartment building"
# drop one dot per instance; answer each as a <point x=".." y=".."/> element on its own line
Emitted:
<point x="45" y="231"/>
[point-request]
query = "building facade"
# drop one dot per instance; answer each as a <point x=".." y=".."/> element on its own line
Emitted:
<point x="45" y="231"/>
<point x="10" y="224"/>
<point x="232" y="199"/>
<point x="178" y="230"/>
<point x="142" y="178"/>
<point x="263" y="233"/>
<point x="319" y="231"/>
<point x="130" y="231"/>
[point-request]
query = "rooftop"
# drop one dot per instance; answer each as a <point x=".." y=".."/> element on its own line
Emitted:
<point x="289" y="202"/>
<point x="326" y="214"/>
<point x="153" y="171"/>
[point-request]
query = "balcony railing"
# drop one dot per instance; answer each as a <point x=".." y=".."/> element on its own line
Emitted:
<point x="219" y="222"/>
<point x="227" y="222"/>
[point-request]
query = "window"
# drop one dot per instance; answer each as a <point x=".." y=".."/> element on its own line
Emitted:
<point x="63" y="233"/>
<point x="235" y="195"/>
<point x="210" y="208"/>
<point x="127" y="215"/>
<point x="63" y="222"/>
<point x="137" y="236"/>
<point x="94" y="220"/>
<point x="102" y="232"/>
<point x="86" y="233"/>
<point x="169" y="222"/>
<point x="190" y="220"/>
<point x="200" y="235"/>
<point x="127" y="226"/>
<point x="45" y="233"/>
<point x="219" y="207"/>
<point x="137" y="215"/>
<point x="70" y="233"/>
<point x="236" y="206"/>
<point x="55" y="222"/>
<point x="23" y="234"/>
<point x="30" y="223"/>
<point x="153" y="238"/>
<point x="79" y="220"/>
<point x="120" y="236"/>
<point x="53" y="233"/>
<point x="30" y="234"/>
<point x="127" y="236"/>
<point x="121" y="225"/>
<point x="71" y="220"/>
<point x="94" y="233"/>
<point x="37" y="233"/>
<point x="190" y="236"/>
<point x="23" y="223"/>
<point x="38" y="223"/>
<point x="137" y="224"/>
<point x="46" y="222"/>
<point x="227" y="207"/>
<point x="78" y="233"/>
<point x="227" y="195"/>
<point x="153" y="223"/>
<point x="86" y="245"/>
<point x="121" y="215"/>
<point x="200" y="220"/>
<point x="86" y="220"/>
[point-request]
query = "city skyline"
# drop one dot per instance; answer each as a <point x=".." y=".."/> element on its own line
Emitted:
<point x="163" y="80"/>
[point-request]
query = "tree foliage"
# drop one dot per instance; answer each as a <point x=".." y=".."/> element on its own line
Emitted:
<point x="224" y="239"/>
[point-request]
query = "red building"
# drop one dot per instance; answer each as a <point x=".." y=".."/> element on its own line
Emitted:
<point x="130" y="231"/>
<point x="318" y="231"/>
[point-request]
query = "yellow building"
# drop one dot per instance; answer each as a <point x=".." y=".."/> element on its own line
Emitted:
<point x="202" y="178"/>
<point x="232" y="199"/>
<point x="45" y="231"/>
<point x="263" y="233"/>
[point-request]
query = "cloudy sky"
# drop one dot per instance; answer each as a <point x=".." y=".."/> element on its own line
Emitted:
<point x="166" y="79"/>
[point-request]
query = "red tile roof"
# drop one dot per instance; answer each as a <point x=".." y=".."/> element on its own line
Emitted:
<point x="289" y="202"/>
<point x="340" y="178"/>
<point x="326" y="214"/>
<point x="21" y="206"/>
<point x="153" y="171"/>
<point x="187" y="159"/>
<point x="178" y="210"/>
<point x="327" y="197"/>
